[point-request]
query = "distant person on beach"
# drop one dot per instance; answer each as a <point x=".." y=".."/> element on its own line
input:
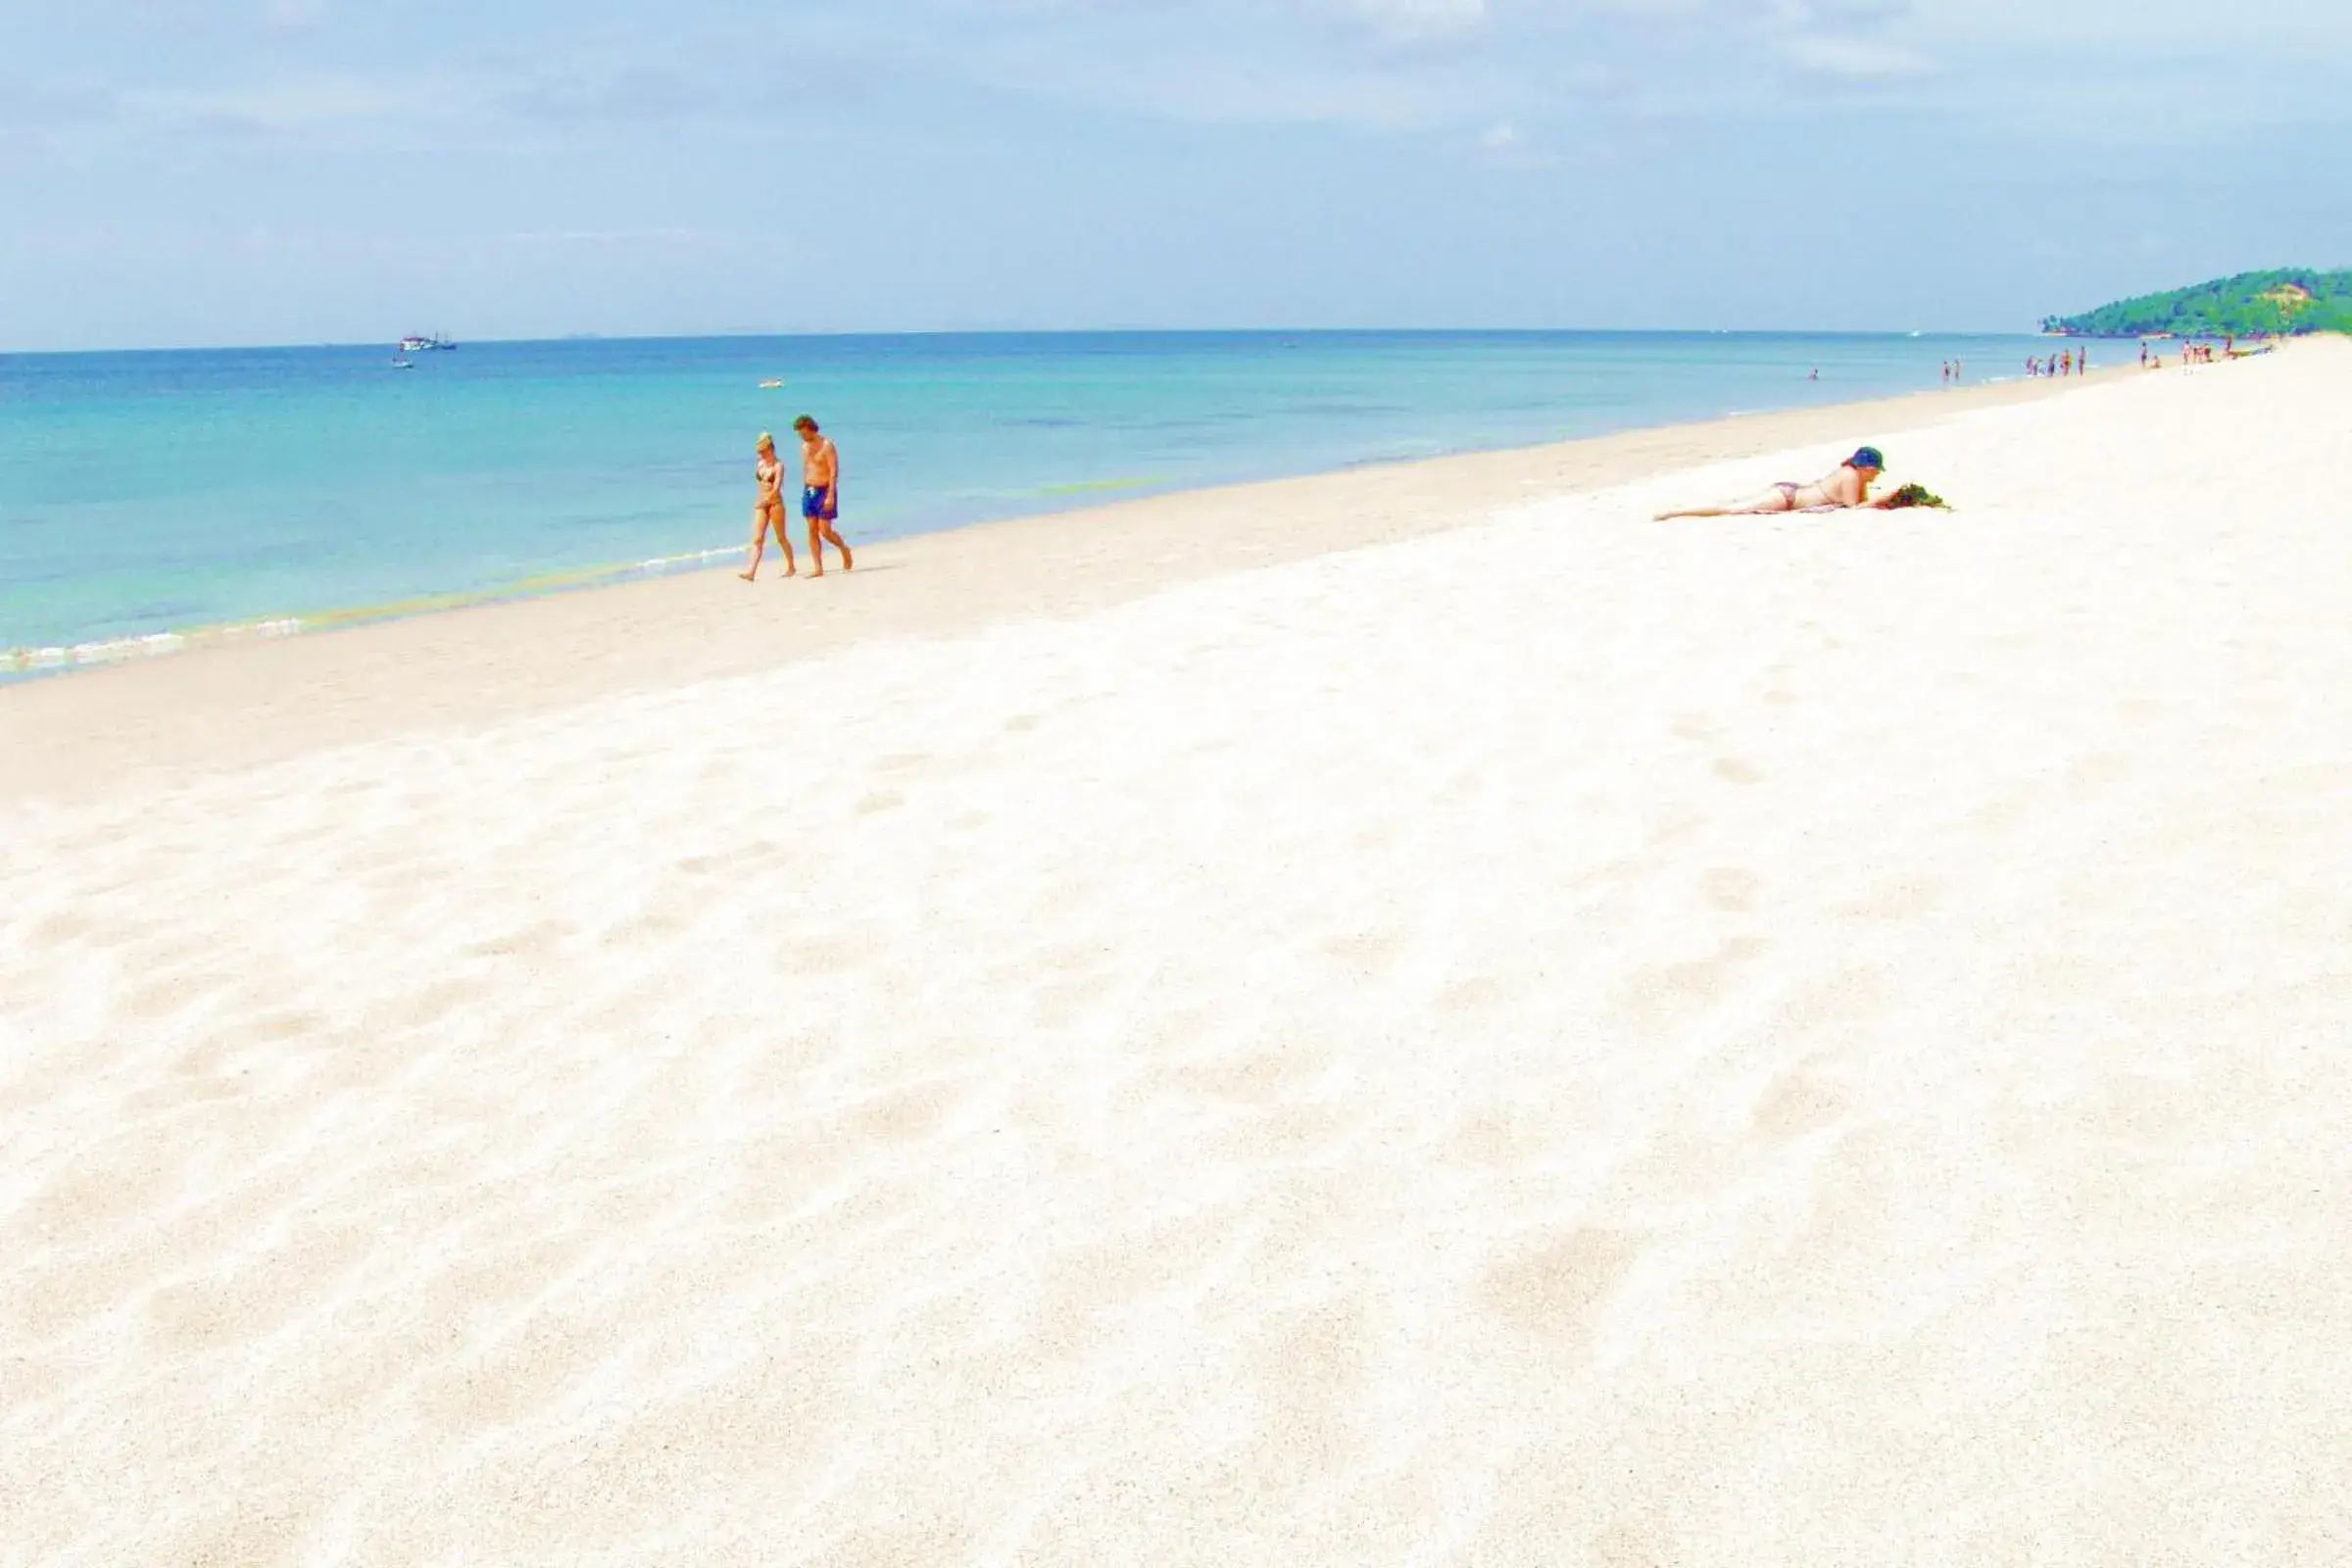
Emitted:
<point x="1844" y="489"/>
<point x="820" y="492"/>
<point x="768" y="510"/>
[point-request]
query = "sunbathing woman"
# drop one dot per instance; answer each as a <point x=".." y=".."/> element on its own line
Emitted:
<point x="768" y="510"/>
<point x="1847" y="487"/>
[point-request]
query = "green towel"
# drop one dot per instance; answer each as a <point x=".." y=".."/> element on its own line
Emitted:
<point x="1917" y="495"/>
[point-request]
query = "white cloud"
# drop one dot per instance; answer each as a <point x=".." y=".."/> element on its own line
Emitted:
<point x="294" y="104"/>
<point x="1502" y="145"/>
<point x="1556" y="73"/>
<point x="1855" y="58"/>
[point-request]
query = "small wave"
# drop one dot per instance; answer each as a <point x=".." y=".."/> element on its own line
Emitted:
<point x="118" y="650"/>
<point x="61" y="656"/>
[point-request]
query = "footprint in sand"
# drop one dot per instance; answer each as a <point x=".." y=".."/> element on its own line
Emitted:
<point x="1257" y="1074"/>
<point x="1659" y="995"/>
<point x="1796" y="1104"/>
<point x="1553" y="1289"/>
<point x="1732" y="890"/>
<point x="904" y="1115"/>
<point x="1366" y="952"/>
<point x="58" y="929"/>
<point x="525" y="942"/>
<point x="1896" y="899"/>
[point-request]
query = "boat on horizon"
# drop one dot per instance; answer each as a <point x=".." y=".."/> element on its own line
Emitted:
<point x="426" y="344"/>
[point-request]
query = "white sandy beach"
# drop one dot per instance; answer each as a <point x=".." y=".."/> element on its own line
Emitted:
<point x="1556" y="1039"/>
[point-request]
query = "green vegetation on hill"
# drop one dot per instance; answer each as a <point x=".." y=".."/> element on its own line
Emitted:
<point x="2249" y="305"/>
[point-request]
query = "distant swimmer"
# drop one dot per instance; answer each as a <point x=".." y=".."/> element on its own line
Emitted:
<point x="820" y="492"/>
<point x="768" y="510"/>
<point x="1845" y="488"/>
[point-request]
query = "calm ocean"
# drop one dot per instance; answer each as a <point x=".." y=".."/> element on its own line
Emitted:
<point x="144" y="493"/>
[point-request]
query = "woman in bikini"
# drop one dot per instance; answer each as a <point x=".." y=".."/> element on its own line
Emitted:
<point x="768" y="510"/>
<point x="1848" y="486"/>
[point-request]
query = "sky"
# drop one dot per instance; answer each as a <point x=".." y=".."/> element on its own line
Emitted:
<point x="226" y="172"/>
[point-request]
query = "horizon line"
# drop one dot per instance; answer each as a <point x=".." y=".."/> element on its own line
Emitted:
<point x="1055" y="332"/>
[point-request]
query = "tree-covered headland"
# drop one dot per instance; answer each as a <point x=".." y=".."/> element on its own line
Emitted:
<point x="2250" y="305"/>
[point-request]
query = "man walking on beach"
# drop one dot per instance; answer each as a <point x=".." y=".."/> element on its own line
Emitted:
<point x="820" y="492"/>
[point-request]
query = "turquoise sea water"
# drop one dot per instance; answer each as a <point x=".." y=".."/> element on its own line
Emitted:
<point x="144" y="493"/>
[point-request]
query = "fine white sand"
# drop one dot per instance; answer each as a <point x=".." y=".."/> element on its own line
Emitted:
<point x="1566" y="1040"/>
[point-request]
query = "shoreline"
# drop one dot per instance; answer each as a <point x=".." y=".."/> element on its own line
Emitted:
<point x="164" y="702"/>
<point x="24" y="661"/>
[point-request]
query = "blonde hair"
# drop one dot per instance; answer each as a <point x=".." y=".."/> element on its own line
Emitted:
<point x="765" y="442"/>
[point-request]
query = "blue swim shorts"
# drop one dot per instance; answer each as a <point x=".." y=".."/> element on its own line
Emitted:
<point x="816" y="501"/>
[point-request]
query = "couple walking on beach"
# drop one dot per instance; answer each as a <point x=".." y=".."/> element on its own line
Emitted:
<point x="820" y="500"/>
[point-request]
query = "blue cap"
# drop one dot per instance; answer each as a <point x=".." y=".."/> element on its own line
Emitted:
<point x="1868" y="458"/>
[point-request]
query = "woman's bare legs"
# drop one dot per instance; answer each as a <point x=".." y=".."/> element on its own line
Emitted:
<point x="762" y="516"/>
<point x="757" y="546"/>
<point x="1769" y="501"/>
